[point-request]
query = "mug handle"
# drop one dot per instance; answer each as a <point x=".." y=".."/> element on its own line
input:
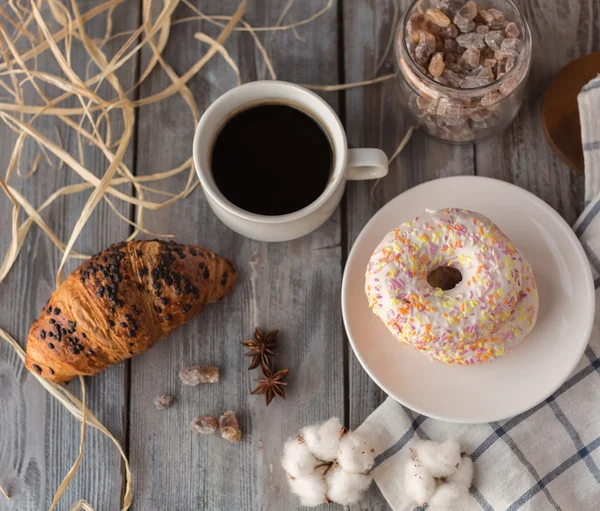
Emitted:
<point x="366" y="164"/>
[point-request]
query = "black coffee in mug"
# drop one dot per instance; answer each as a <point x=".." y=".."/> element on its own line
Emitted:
<point x="271" y="159"/>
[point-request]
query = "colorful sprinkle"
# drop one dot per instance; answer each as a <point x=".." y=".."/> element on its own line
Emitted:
<point x="484" y="316"/>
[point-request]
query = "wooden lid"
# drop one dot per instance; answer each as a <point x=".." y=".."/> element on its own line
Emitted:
<point x="560" y="113"/>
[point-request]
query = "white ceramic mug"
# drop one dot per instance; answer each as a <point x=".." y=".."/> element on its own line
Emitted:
<point x="353" y="164"/>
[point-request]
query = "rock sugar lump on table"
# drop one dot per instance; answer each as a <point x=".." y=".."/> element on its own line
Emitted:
<point x="466" y="54"/>
<point x="205" y="425"/>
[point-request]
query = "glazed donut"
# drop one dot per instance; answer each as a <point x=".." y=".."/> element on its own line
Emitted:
<point x="486" y="315"/>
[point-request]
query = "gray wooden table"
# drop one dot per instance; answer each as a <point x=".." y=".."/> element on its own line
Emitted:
<point x="291" y="286"/>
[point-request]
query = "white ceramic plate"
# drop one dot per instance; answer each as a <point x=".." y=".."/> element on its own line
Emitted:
<point x="511" y="384"/>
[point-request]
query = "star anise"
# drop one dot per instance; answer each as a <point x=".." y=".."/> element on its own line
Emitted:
<point x="261" y="348"/>
<point x="272" y="384"/>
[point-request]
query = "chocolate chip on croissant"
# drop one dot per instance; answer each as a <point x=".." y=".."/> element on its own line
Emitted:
<point x="120" y="303"/>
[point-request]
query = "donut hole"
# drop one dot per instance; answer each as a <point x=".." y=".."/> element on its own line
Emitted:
<point x="444" y="277"/>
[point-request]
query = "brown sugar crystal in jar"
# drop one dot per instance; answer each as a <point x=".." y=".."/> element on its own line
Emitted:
<point x="463" y="66"/>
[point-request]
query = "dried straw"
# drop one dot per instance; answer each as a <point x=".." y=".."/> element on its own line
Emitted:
<point x="318" y="14"/>
<point x="403" y="143"/>
<point x="82" y="505"/>
<point x="25" y="37"/>
<point x="78" y="409"/>
<point x="345" y="86"/>
<point x="405" y="140"/>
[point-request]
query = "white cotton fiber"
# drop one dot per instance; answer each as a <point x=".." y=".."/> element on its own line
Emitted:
<point x="323" y="440"/>
<point x="343" y="462"/>
<point x="297" y="459"/>
<point x="440" y="458"/>
<point x="346" y="488"/>
<point x="463" y="476"/>
<point x="356" y="453"/>
<point x="311" y="489"/>
<point x="419" y="484"/>
<point x="447" y="496"/>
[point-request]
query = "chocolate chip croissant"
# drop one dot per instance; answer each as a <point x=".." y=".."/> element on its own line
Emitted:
<point x="120" y="303"/>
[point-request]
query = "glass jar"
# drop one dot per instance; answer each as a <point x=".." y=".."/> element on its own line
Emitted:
<point x="459" y="79"/>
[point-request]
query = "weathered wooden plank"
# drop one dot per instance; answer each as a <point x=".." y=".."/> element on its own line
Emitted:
<point x="39" y="440"/>
<point x="561" y="31"/>
<point x="374" y="119"/>
<point x="291" y="286"/>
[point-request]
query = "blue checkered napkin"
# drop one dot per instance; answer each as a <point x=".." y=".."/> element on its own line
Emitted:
<point x="546" y="458"/>
<point x="589" y="108"/>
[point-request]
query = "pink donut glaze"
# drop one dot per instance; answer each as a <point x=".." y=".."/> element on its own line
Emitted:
<point x="485" y="316"/>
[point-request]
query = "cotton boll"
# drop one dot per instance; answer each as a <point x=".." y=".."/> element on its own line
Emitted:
<point x="297" y="459"/>
<point x="439" y="458"/>
<point x="447" y="496"/>
<point x="463" y="476"/>
<point x="419" y="484"/>
<point x="426" y="452"/>
<point x="323" y="440"/>
<point x="356" y="453"/>
<point x="448" y="457"/>
<point x="346" y="488"/>
<point x="311" y="489"/>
